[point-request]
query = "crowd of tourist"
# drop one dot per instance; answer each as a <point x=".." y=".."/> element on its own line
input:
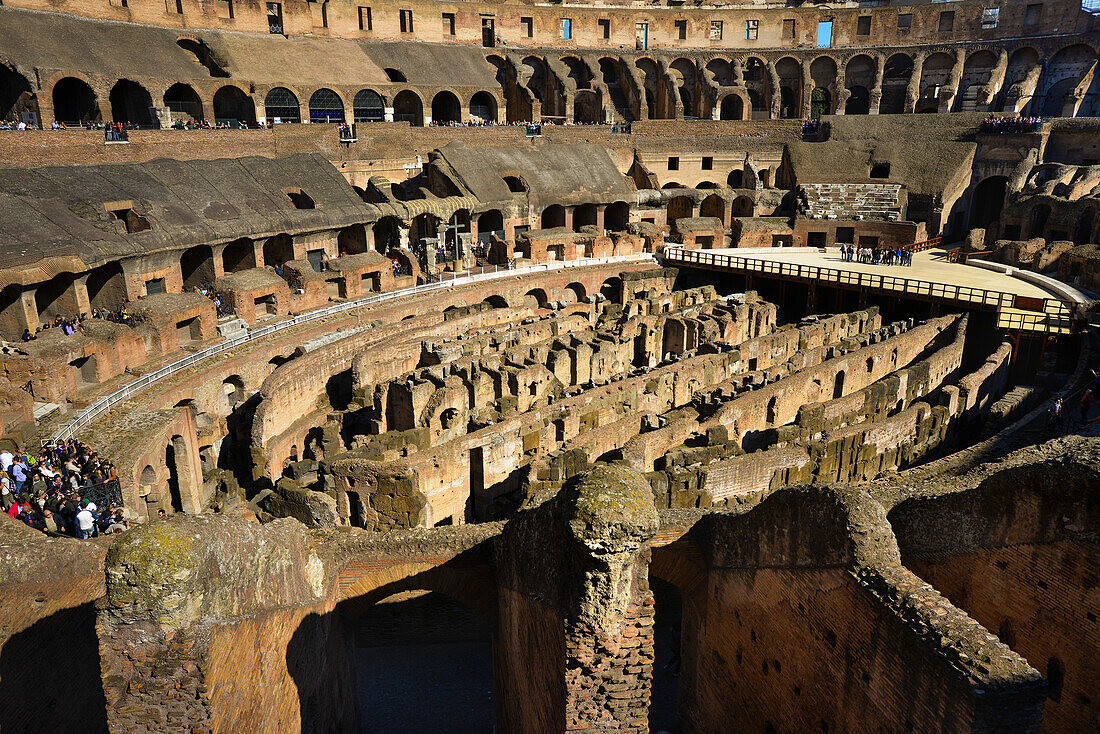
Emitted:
<point x="810" y="128"/>
<point x="70" y="324"/>
<point x="876" y="255"/>
<point x="45" y="490"/>
<point x="1011" y="125"/>
<point x="207" y="290"/>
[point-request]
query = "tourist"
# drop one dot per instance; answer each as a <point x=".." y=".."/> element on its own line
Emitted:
<point x="1086" y="405"/>
<point x="1054" y="416"/>
<point x="85" y="521"/>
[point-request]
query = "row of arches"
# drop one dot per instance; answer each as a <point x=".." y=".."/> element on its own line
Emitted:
<point x="75" y="102"/>
<point x="754" y="88"/>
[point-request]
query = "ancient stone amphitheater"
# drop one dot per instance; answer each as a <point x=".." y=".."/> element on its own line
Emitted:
<point x="552" y="367"/>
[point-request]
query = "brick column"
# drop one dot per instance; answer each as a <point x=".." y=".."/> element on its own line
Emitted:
<point x="876" y="90"/>
<point x="576" y="610"/>
<point x="912" y="91"/>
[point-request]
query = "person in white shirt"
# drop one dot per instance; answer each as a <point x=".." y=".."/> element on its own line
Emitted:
<point x="5" y="490"/>
<point x="6" y="459"/>
<point x="85" y="522"/>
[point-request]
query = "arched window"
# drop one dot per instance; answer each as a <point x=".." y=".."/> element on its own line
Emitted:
<point x="326" y="106"/>
<point x="368" y="106"/>
<point x="281" y="105"/>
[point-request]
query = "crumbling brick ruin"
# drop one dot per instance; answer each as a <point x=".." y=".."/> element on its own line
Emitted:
<point x="539" y="368"/>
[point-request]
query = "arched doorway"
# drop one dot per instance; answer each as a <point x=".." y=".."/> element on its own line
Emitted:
<point x="239" y="255"/>
<point x="987" y="202"/>
<point x="616" y="216"/>
<point x="490" y="223"/>
<point x="553" y="216"/>
<point x="278" y="250"/>
<point x="1082" y="233"/>
<point x="736" y="179"/>
<point x="131" y="104"/>
<point x="483" y="107"/>
<point x="386" y="233"/>
<point x="234" y="106"/>
<point x="15" y="94"/>
<point x="732" y="108"/>
<point x="407" y="107"/>
<point x="678" y="208"/>
<point x="895" y="82"/>
<point x="197" y="267"/>
<point x="74" y="102"/>
<point x="184" y="103"/>
<point x="583" y="215"/>
<point x="325" y="106"/>
<point x="368" y="106"/>
<point x="586" y="107"/>
<point x="281" y="106"/>
<point x="1037" y="222"/>
<point x="446" y="108"/>
<point x="713" y="206"/>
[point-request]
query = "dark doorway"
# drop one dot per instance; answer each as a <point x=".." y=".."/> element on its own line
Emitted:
<point x="667" y="628"/>
<point x="989" y="198"/>
<point x="173" y="477"/>
<point x="416" y="647"/>
<point x="131" y="104"/>
<point x="197" y="267"/>
<point x="74" y="102"/>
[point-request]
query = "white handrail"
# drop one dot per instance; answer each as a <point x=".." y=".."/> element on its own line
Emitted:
<point x="106" y="402"/>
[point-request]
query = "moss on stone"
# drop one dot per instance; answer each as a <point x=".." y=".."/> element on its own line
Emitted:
<point x="153" y="555"/>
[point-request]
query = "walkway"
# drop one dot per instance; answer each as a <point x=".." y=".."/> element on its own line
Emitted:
<point x="1021" y="304"/>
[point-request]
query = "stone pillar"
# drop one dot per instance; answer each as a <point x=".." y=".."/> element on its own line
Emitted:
<point x="575" y="612"/>
<point x="219" y="261"/>
<point x="132" y="281"/>
<point x="569" y="218"/>
<point x="80" y="294"/>
<point x="807" y="90"/>
<point x="258" y="250"/>
<point x="777" y="94"/>
<point x="876" y="90"/>
<point x="601" y="209"/>
<point x="947" y="101"/>
<point x="28" y="310"/>
<point x="912" y="90"/>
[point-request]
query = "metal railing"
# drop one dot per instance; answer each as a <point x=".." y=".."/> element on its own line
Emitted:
<point x="105" y="403"/>
<point x="1052" y="315"/>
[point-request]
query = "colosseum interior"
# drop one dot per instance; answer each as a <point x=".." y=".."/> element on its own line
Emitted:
<point x="537" y="367"/>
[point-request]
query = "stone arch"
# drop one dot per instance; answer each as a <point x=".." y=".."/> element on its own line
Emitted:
<point x="326" y="106"/>
<point x="368" y="106"/>
<point x="789" y="70"/>
<point x="239" y="255"/>
<point x="282" y="105"/>
<point x="553" y="216"/>
<point x="742" y="207"/>
<point x="859" y="78"/>
<point x="679" y="207"/>
<point x="736" y="179"/>
<point x="658" y="102"/>
<point x="446" y="107"/>
<point x="74" y="101"/>
<point x="197" y="266"/>
<point x="536" y="298"/>
<point x="586" y="107"/>
<point x="935" y="76"/>
<point x="895" y="82"/>
<point x="977" y="72"/>
<point x="821" y="103"/>
<point x="616" y="216"/>
<point x="987" y="201"/>
<point x="496" y="301"/>
<point x="823" y="73"/>
<point x="131" y="104"/>
<point x="15" y="94"/>
<point x="1082" y="231"/>
<point x="231" y="103"/>
<point x="713" y="206"/>
<point x="722" y="71"/>
<point x="585" y="214"/>
<point x="386" y="233"/>
<point x="278" y="250"/>
<point x="612" y="289"/>
<point x="578" y="290"/>
<point x="408" y="107"/>
<point x="683" y="72"/>
<point x="483" y="107"/>
<point x="578" y="72"/>
<point x="732" y="107"/>
<point x="489" y="223"/>
<point x="758" y="82"/>
<point x="107" y="286"/>
<point x="182" y="99"/>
